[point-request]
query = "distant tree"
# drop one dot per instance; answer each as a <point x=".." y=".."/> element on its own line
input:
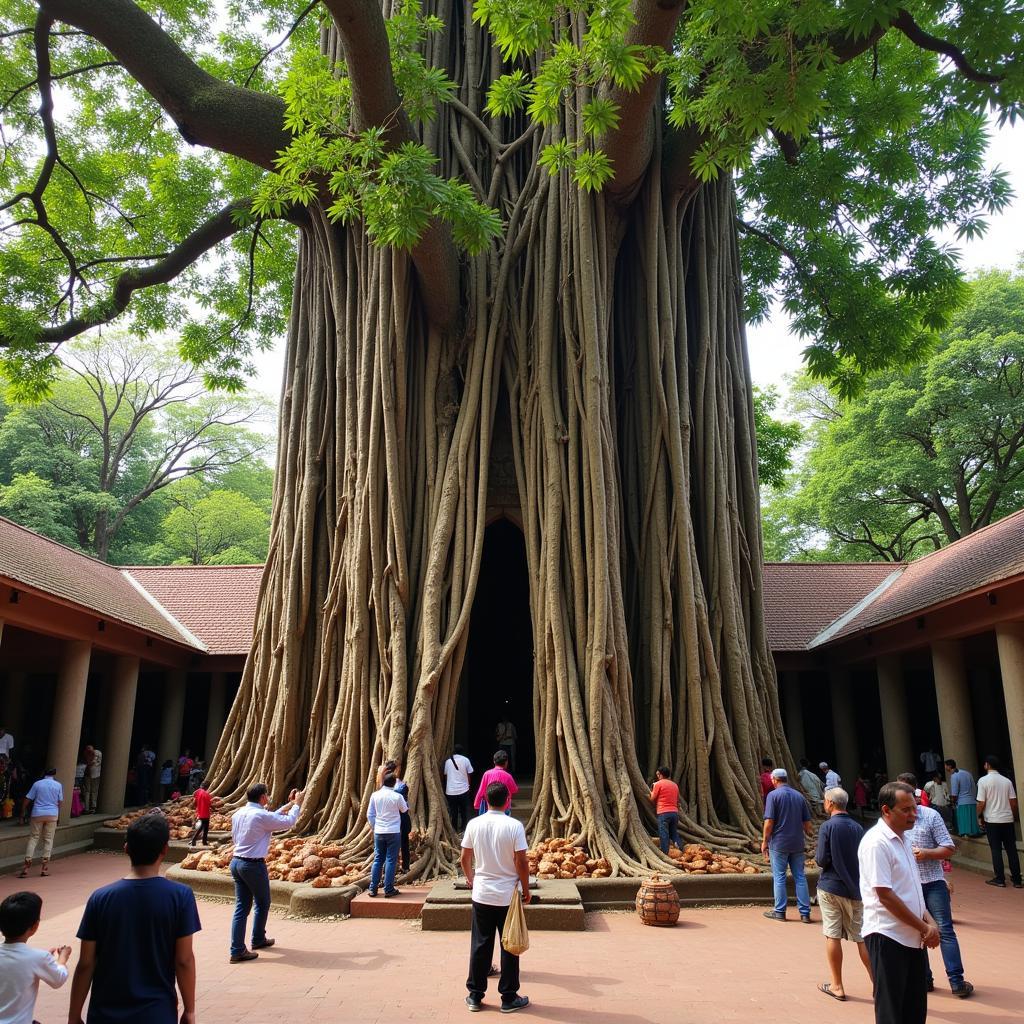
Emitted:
<point x="122" y="420"/>
<point x="212" y="527"/>
<point x="34" y="502"/>
<point x="776" y="439"/>
<point x="923" y="457"/>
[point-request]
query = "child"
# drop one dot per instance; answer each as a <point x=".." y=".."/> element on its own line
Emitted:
<point x="202" y="799"/>
<point x="21" y="966"/>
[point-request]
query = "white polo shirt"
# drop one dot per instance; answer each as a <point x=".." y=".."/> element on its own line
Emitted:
<point x="457" y="770"/>
<point x="887" y="861"/>
<point x="997" y="791"/>
<point x="494" y="838"/>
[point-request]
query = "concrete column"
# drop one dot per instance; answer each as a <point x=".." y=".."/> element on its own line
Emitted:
<point x="119" y="715"/>
<point x="215" y="715"/>
<point x="171" y="720"/>
<point x="789" y="683"/>
<point x="953" y="697"/>
<point x="1010" y="641"/>
<point x="892" y="694"/>
<point x="844" y="727"/>
<point x="13" y="706"/>
<point x="66" y="725"/>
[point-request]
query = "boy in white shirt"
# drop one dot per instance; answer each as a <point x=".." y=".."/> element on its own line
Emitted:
<point x="21" y="966"/>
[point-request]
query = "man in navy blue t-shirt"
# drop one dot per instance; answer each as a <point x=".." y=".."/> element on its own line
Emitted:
<point x="786" y="820"/>
<point x="137" y="941"/>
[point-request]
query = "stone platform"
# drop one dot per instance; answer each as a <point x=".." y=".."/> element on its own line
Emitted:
<point x="75" y="836"/>
<point x="404" y="907"/>
<point x="555" y="906"/>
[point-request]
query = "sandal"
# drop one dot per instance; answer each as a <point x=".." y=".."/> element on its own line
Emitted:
<point x="23" y="873"/>
<point x="44" y="870"/>
<point x="826" y="987"/>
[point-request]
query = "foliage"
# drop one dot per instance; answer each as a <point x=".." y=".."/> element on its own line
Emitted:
<point x="122" y="421"/>
<point x="776" y="439"/>
<point x="924" y="457"/>
<point x="855" y="129"/>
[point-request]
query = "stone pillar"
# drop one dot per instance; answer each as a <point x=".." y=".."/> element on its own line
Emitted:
<point x="789" y="683"/>
<point x="953" y="697"/>
<point x="171" y="720"/>
<point x="12" y="710"/>
<point x="214" y="716"/>
<point x="119" y="716"/>
<point x="844" y="727"/>
<point x="1010" y="641"/>
<point x="66" y="725"/>
<point x="892" y="694"/>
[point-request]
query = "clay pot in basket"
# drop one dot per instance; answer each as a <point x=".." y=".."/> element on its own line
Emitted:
<point x="657" y="902"/>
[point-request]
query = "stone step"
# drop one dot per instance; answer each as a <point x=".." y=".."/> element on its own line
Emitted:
<point x="406" y="906"/>
<point x="556" y="906"/>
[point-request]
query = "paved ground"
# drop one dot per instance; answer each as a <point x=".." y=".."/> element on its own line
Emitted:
<point x="718" y="965"/>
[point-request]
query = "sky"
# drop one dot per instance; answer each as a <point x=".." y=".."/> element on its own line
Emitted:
<point x="775" y="352"/>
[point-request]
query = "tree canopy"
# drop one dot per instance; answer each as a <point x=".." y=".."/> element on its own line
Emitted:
<point x="153" y="151"/>
<point x="96" y="462"/>
<point x="923" y="457"/>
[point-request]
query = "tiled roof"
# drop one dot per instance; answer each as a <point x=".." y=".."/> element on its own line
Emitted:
<point x="803" y="598"/>
<point x="972" y="563"/>
<point x="215" y="602"/>
<point x="42" y="564"/>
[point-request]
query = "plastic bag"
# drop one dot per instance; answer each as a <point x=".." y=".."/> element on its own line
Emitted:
<point x="515" y="938"/>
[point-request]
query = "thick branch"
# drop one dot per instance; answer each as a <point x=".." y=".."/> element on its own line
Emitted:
<point x="216" y="230"/>
<point x="207" y="111"/>
<point x="904" y="21"/>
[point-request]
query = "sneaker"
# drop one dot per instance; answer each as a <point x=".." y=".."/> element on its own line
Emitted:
<point x="241" y="958"/>
<point x="774" y="915"/>
<point x="1018" y="885"/>
<point x="519" y="1003"/>
<point x="265" y="944"/>
<point x="805" y="918"/>
<point x="964" y="990"/>
<point x="998" y="882"/>
<point x="372" y="893"/>
<point x="474" y="1003"/>
<point x="394" y="892"/>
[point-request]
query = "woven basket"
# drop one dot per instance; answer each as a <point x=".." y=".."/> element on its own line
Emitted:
<point x="657" y="902"/>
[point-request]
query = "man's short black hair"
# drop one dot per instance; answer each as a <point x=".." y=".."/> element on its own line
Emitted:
<point x="950" y="763"/>
<point x="909" y="778"/>
<point x="389" y="780"/>
<point x="767" y="762"/>
<point x="992" y="761"/>
<point x="256" y="792"/>
<point x="888" y="794"/>
<point x="804" y="763"/>
<point x="50" y="771"/>
<point x="457" y="749"/>
<point x="497" y="795"/>
<point x="18" y="913"/>
<point x="500" y="757"/>
<point x="146" y="838"/>
<point x="665" y="771"/>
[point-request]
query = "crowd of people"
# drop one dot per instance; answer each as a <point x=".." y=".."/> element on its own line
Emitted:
<point x="886" y="888"/>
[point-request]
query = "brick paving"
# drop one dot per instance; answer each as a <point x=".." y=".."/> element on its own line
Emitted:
<point x="726" y="964"/>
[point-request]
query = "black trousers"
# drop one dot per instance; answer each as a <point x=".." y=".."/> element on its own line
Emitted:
<point x="202" y="825"/>
<point x="488" y="921"/>
<point x="901" y="980"/>
<point x="1002" y="837"/>
<point x="460" y="810"/>
<point x="406" y="828"/>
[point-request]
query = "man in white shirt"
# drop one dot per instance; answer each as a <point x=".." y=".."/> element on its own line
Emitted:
<point x="46" y="796"/>
<point x="832" y="779"/>
<point x="93" y="768"/>
<point x="997" y="808"/>
<point x="385" y="817"/>
<point x="6" y="742"/>
<point x="938" y="797"/>
<point x="457" y="770"/>
<point x="897" y="926"/>
<point x="251" y="829"/>
<point x="812" y="787"/>
<point x="494" y="863"/>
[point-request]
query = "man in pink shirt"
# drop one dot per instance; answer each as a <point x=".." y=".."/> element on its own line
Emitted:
<point x="496" y="774"/>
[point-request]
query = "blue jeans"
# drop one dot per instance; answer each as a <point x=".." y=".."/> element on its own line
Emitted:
<point x="252" y="884"/>
<point x="936" y="899"/>
<point x="385" y="856"/>
<point x="782" y="859"/>
<point x="668" y="830"/>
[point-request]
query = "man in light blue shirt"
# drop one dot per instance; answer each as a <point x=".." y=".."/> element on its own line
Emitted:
<point x="932" y="844"/>
<point x="385" y="817"/>
<point x="46" y="796"/>
<point x="963" y="791"/>
<point x="251" y="829"/>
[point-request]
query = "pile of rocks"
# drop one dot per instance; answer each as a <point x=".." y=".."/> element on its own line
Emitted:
<point x="181" y="817"/>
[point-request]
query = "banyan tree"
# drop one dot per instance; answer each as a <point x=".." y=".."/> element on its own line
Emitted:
<point x="514" y="243"/>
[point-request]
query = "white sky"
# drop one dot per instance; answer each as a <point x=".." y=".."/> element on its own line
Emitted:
<point x="774" y="350"/>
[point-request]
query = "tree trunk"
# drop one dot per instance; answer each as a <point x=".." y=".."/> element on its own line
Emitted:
<point x="619" y="339"/>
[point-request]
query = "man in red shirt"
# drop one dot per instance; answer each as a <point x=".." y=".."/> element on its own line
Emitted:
<point x="203" y="800"/>
<point x="767" y="765"/>
<point x="665" y="797"/>
<point x="496" y="774"/>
